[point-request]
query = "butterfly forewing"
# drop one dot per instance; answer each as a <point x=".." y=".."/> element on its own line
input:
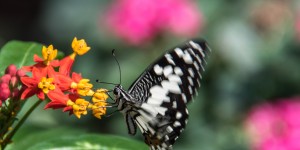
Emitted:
<point x="163" y="90"/>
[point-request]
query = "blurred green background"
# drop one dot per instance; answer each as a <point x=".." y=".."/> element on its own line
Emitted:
<point x="255" y="58"/>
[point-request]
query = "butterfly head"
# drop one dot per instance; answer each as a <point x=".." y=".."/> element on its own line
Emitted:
<point x="117" y="91"/>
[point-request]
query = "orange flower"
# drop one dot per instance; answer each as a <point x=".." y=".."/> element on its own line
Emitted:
<point x="32" y="84"/>
<point x="45" y="63"/>
<point x="63" y="91"/>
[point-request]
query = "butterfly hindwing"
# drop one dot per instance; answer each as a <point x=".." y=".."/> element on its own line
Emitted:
<point x="164" y="89"/>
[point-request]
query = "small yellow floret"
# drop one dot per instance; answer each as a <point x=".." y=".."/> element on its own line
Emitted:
<point x="84" y="87"/>
<point x="46" y="84"/>
<point x="49" y="53"/>
<point x="80" y="107"/>
<point x="100" y="95"/>
<point x="79" y="46"/>
<point x="99" y="109"/>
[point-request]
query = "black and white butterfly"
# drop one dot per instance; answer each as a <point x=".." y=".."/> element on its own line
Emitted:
<point x="156" y="101"/>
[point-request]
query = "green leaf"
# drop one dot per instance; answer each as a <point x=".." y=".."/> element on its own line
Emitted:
<point x="65" y="138"/>
<point x="18" y="53"/>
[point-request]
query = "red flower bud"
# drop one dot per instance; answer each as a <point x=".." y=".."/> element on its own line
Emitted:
<point x="11" y="69"/>
<point x="5" y="78"/>
<point x="13" y="81"/>
<point x="4" y="91"/>
<point x="21" y="73"/>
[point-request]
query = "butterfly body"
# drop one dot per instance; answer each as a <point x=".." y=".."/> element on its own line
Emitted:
<point x="156" y="102"/>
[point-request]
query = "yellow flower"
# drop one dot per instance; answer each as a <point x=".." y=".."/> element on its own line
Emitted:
<point x="83" y="87"/>
<point x="79" y="107"/>
<point x="79" y="46"/>
<point x="46" y="84"/>
<point x="99" y="109"/>
<point x="100" y="95"/>
<point x="49" y="53"/>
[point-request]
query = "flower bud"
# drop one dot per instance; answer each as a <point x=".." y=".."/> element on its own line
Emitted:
<point x="5" y="78"/>
<point x="14" y="81"/>
<point x="11" y="69"/>
<point x="21" y="73"/>
<point x="4" y="91"/>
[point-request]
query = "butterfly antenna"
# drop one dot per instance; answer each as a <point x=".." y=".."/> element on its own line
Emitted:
<point x="113" y="53"/>
<point x="105" y="82"/>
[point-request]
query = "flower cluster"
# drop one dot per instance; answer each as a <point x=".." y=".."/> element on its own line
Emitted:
<point x="9" y="84"/>
<point x="275" y="126"/>
<point x="139" y="21"/>
<point x="64" y="88"/>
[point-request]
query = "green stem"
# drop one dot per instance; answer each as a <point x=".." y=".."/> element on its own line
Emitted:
<point x="20" y="123"/>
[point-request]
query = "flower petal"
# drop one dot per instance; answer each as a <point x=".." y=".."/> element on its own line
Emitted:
<point x="66" y="65"/>
<point x="28" y="92"/>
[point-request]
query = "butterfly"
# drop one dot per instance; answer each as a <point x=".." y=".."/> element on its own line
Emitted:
<point x="156" y="102"/>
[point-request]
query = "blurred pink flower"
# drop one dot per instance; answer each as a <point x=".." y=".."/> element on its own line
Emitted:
<point x="275" y="126"/>
<point x="297" y="26"/>
<point x="138" y="21"/>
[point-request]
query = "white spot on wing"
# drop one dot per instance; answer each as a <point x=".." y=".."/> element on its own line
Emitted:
<point x="168" y="70"/>
<point x="184" y="98"/>
<point x="199" y="83"/>
<point x="201" y="51"/>
<point x="177" y="124"/>
<point x="198" y="59"/>
<point x="161" y="110"/>
<point x="174" y="104"/>
<point x="169" y="129"/>
<point x="178" y="71"/>
<point x="179" y="52"/>
<point x="176" y="138"/>
<point x="191" y="72"/>
<point x="190" y="80"/>
<point x="187" y="58"/>
<point x="158" y="69"/>
<point x="196" y="65"/>
<point x="191" y="90"/>
<point x="186" y="111"/>
<point x="149" y="109"/>
<point x="171" y="86"/>
<point x="169" y="59"/>
<point x="178" y="115"/>
<point x="158" y="102"/>
<point x="174" y="78"/>
<point x="166" y="138"/>
<point x="158" y="95"/>
<point x="164" y="144"/>
<point x="198" y="47"/>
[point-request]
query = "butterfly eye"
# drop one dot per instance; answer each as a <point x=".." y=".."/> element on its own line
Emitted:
<point x="116" y="91"/>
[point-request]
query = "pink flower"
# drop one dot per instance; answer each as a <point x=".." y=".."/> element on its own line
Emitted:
<point x="275" y="126"/>
<point x="139" y="21"/>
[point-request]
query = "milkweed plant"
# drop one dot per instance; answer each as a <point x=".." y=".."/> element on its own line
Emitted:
<point x="50" y="80"/>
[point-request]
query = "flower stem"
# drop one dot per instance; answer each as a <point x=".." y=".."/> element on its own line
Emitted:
<point x="8" y="138"/>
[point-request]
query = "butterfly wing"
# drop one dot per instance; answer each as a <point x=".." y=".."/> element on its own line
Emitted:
<point x="164" y="89"/>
